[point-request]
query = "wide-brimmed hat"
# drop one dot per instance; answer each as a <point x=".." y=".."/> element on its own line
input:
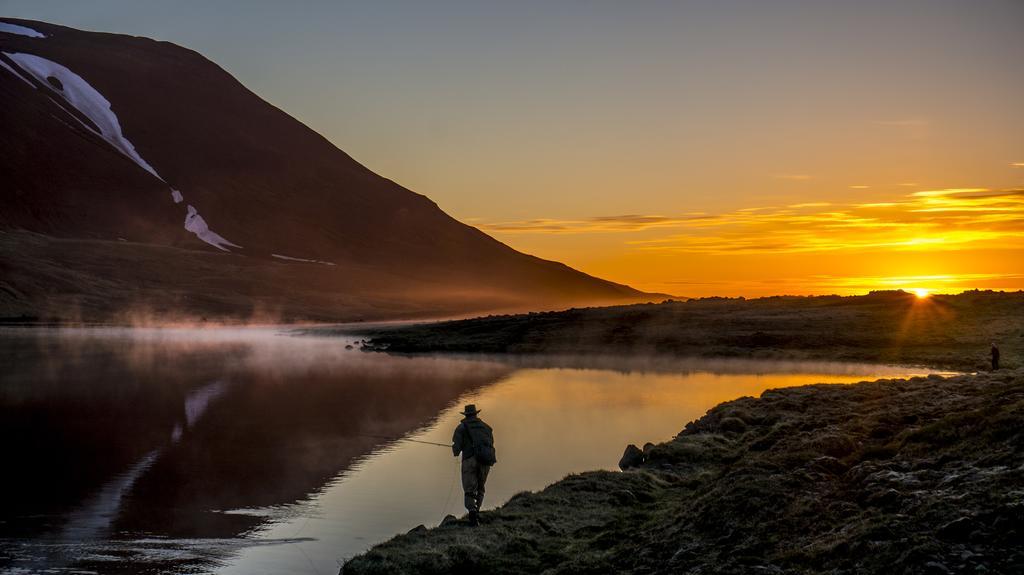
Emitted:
<point x="470" y="409"/>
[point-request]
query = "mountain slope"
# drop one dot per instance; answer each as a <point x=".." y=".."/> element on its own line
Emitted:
<point x="112" y="139"/>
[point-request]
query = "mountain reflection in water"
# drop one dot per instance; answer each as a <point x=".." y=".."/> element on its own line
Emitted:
<point x="247" y="450"/>
<point x="129" y="433"/>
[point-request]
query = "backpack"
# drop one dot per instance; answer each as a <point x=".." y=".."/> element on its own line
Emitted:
<point x="483" y="444"/>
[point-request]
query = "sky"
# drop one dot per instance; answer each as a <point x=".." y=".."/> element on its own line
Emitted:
<point x="691" y="148"/>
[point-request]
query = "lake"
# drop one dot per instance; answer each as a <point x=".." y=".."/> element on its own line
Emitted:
<point x="253" y="450"/>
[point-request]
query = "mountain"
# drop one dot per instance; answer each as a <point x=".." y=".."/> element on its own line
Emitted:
<point x="139" y="177"/>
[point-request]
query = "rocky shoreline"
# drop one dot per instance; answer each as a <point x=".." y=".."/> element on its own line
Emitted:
<point x="924" y="475"/>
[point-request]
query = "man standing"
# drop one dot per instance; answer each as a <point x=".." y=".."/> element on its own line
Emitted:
<point x="475" y="440"/>
<point x="995" y="357"/>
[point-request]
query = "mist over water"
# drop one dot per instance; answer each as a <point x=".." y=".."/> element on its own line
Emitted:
<point x="249" y="450"/>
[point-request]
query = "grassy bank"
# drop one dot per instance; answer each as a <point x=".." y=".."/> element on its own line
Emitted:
<point x="895" y="476"/>
<point x="891" y="327"/>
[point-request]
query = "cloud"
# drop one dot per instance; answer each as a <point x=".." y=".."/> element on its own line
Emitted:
<point x="934" y="282"/>
<point x="831" y="284"/>
<point x="597" y="224"/>
<point x="1018" y="164"/>
<point x="793" y="177"/>
<point x="946" y="219"/>
<point x="949" y="219"/>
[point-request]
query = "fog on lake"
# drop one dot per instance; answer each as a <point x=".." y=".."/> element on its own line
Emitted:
<point x="252" y="450"/>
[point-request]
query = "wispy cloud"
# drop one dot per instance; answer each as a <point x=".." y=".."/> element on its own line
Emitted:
<point x="948" y="219"/>
<point x="937" y="282"/>
<point x="826" y="284"/>
<point x="597" y="224"/>
<point x="1018" y="164"/>
<point x="922" y="220"/>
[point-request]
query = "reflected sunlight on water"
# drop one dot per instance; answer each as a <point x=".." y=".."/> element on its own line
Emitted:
<point x="548" y="423"/>
<point x="248" y="451"/>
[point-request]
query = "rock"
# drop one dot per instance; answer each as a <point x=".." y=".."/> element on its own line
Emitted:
<point x="348" y="347"/>
<point x="421" y="528"/>
<point x="632" y="457"/>
<point x="449" y="520"/>
<point x="958" y="529"/>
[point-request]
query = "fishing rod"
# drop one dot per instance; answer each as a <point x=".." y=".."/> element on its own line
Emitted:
<point x="404" y="439"/>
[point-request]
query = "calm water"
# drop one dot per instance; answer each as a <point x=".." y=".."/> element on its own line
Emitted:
<point x="253" y="451"/>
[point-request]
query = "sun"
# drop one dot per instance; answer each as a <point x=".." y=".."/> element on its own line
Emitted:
<point x="921" y="293"/>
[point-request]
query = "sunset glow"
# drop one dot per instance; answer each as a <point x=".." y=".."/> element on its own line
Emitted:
<point x="688" y="286"/>
<point x="691" y="149"/>
<point x="954" y="239"/>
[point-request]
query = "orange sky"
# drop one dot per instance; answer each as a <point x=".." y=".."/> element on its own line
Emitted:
<point x="695" y="148"/>
<point x="941" y="240"/>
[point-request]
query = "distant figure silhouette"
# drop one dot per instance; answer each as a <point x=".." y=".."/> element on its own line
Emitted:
<point x="475" y="440"/>
<point x="995" y="357"/>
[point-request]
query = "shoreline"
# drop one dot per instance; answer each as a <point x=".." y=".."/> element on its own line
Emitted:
<point x="919" y="475"/>
<point x="946" y="332"/>
<point x="837" y="478"/>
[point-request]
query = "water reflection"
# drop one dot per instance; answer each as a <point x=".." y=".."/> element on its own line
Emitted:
<point x="246" y="451"/>
<point x="144" y="434"/>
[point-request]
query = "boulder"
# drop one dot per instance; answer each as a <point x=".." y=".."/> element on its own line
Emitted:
<point x="632" y="457"/>
<point x="449" y="520"/>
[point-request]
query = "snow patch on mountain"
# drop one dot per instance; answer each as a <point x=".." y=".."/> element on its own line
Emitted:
<point x="20" y="30"/>
<point x="86" y="100"/>
<point x="289" y="258"/>
<point x="197" y="225"/>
